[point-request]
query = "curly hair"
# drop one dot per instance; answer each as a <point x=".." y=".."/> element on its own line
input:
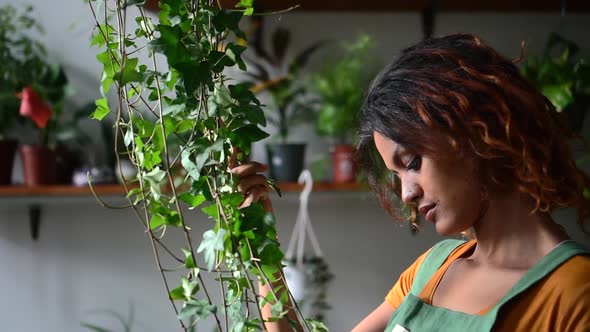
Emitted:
<point x="461" y="90"/>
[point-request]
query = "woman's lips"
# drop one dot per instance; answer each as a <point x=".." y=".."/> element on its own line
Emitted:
<point x="430" y="215"/>
<point x="428" y="211"/>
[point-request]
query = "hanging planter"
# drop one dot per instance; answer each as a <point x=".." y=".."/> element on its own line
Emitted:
<point x="307" y="275"/>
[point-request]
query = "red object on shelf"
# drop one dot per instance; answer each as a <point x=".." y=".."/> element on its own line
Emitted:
<point x="343" y="163"/>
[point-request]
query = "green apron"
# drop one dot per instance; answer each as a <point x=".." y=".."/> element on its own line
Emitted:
<point x="414" y="315"/>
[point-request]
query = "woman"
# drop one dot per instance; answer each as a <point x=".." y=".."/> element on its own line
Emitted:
<point x="455" y="131"/>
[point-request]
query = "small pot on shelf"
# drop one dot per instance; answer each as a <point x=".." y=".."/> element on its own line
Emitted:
<point x="286" y="161"/>
<point x="343" y="163"/>
<point x="39" y="165"/>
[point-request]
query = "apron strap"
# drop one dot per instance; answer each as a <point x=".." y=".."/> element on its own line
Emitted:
<point x="433" y="261"/>
<point x="544" y="267"/>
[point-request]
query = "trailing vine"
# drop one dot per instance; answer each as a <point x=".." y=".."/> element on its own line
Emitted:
<point x="181" y="124"/>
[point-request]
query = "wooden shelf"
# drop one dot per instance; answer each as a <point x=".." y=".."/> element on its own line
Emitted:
<point x="115" y="189"/>
<point x="60" y="190"/>
<point x="414" y="5"/>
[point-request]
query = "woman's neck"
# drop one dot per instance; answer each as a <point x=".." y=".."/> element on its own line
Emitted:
<point x="509" y="236"/>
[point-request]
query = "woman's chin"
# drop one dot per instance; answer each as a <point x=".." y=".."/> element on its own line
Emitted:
<point x="444" y="229"/>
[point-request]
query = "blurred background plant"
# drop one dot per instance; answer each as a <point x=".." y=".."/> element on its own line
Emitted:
<point x="281" y="77"/>
<point x="340" y="85"/>
<point x="562" y="77"/>
<point x="36" y="87"/>
<point x="22" y="59"/>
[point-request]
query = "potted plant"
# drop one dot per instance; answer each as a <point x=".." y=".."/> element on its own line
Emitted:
<point x="21" y="58"/>
<point x="562" y="78"/>
<point x="42" y="104"/>
<point x="279" y="75"/>
<point x="340" y="85"/>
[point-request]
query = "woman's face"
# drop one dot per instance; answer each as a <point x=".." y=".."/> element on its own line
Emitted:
<point x="446" y="192"/>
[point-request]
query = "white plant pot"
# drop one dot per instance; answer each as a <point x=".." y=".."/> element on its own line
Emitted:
<point x="296" y="280"/>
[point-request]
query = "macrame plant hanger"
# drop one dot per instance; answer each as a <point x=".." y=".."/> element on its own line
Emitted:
<point x="303" y="225"/>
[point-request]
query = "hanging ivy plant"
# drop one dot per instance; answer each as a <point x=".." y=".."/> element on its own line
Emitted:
<point x="180" y="121"/>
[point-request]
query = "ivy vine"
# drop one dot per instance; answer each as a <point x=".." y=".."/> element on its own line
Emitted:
<point x="180" y="123"/>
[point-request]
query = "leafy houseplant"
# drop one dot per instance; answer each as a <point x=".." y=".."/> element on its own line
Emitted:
<point x="21" y="58"/>
<point x="193" y="102"/>
<point x="42" y="90"/>
<point x="279" y="75"/>
<point x="562" y="78"/>
<point x="340" y="85"/>
<point x="42" y="102"/>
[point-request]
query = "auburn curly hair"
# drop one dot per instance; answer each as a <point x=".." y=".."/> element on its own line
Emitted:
<point x="460" y="89"/>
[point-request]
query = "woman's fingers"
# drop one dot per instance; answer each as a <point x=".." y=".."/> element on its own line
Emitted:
<point x="255" y="194"/>
<point x="247" y="183"/>
<point x="248" y="169"/>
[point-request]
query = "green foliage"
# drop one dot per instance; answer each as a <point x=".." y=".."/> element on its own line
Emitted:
<point x="178" y="124"/>
<point x="341" y="84"/>
<point x="24" y="63"/>
<point x="21" y="57"/>
<point x="557" y="73"/>
<point x="281" y="77"/>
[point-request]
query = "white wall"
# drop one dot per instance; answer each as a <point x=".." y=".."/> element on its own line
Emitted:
<point x="89" y="258"/>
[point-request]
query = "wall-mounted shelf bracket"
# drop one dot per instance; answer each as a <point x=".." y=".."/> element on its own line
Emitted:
<point x="35" y="220"/>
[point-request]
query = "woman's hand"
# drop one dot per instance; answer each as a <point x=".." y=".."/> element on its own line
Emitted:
<point x="253" y="185"/>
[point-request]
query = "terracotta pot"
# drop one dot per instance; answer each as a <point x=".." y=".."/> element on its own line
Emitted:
<point x="343" y="163"/>
<point x="39" y="165"/>
<point x="7" y="151"/>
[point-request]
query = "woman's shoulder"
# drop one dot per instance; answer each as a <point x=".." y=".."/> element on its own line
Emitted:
<point x="572" y="273"/>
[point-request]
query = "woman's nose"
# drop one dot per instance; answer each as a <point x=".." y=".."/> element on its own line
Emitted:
<point x="410" y="191"/>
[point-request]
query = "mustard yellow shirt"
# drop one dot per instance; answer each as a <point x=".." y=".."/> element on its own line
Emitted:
<point x="558" y="302"/>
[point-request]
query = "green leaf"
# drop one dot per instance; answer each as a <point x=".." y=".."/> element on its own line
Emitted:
<point x="211" y="211"/>
<point x="245" y="3"/>
<point x="234" y="52"/>
<point x="177" y="293"/>
<point x="202" y="309"/>
<point x="189" y="261"/>
<point x="102" y="109"/>
<point x="211" y="244"/>
<point x="560" y="95"/>
<point x="171" y="45"/>
<point x="174" y="109"/>
<point x="99" y="35"/>
<point x="317" y="326"/>
<point x="128" y="74"/>
<point x="270" y="254"/>
<point x="222" y="95"/>
<point x="276" y="309"/>
<point x="246" y="135"/>
<point x="173" y="219"/>
<point x="156" y="221"/>
<point x="189" y="287"/>
<point x="155" y="177"/>
<point x="191" y="200"/>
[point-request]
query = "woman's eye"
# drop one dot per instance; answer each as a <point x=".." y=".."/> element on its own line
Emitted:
<point x="415" y="163"/>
